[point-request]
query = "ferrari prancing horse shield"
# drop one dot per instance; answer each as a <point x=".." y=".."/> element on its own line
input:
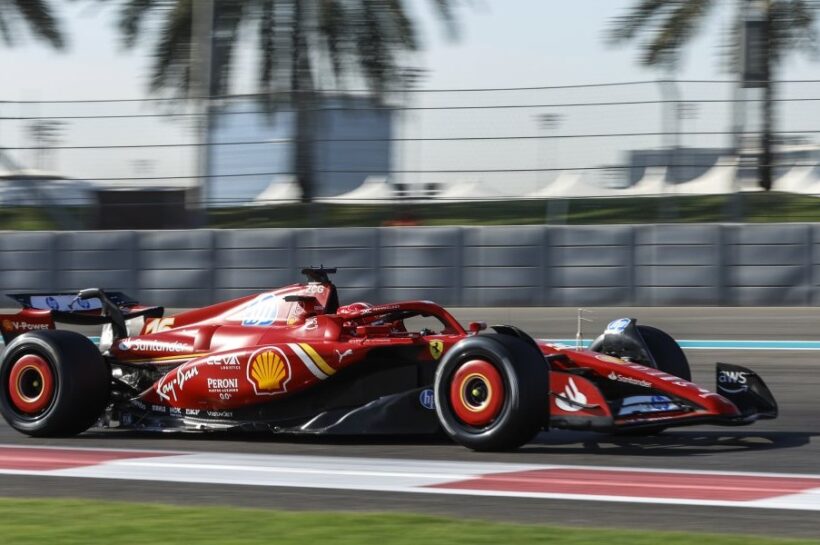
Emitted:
<point x="436" y="348"/>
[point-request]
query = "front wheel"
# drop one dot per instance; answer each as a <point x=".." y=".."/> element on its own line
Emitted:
<point x="53" y="383"/>
<point x="492" y="392"/>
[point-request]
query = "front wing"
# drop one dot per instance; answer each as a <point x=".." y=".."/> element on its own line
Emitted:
<point x="578" y="403"/>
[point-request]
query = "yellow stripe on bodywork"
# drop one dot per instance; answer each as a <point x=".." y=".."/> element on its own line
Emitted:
<point x="317" y="359"/>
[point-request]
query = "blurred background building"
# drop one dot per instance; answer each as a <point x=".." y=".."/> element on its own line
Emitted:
<point x="351" y="140"/>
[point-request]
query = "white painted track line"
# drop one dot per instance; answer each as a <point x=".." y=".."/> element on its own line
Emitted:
<point x="556" y="482"/>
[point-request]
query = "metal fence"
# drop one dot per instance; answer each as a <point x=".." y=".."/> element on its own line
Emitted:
<point x="512" y="141"/>
<point x="642" y="265"/>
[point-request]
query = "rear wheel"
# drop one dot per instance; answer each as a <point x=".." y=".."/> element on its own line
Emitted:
<point x="492" y="392"/>
<point x="53" y="383"/>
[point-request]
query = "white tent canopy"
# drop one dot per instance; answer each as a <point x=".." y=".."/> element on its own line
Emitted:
<point x="652" y="183"/>
<point x="718" y="180"/>
<point x="30" y="187"/>
<point x="571" y="184"/>
<point x="468" y="190"/>
<point x="799" y="179"/>
<point x="30" y="174"/>
<point x="374" y="190"/>
<point x="812" y="188"/>
<point x="282" y="190"/>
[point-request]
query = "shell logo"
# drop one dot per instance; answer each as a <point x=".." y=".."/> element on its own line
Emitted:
<point x="269" y="372"/>
<point x="7" y="325"/>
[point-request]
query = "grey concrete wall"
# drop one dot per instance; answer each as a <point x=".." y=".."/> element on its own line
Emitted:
<point x="646" y="265"/>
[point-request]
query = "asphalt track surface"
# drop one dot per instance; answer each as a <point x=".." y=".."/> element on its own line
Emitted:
<point x="790" y="444"/>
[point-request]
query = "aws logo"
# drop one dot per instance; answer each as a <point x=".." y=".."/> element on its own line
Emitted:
<point x="269" y="372"/>
<point x="733" y="382"/>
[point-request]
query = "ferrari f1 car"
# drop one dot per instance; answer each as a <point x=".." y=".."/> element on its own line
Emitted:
<point x="294" y="361"/>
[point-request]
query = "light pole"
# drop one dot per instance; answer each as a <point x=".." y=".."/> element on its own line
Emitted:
<point x="554" y="208"/>
<point x="755" y="72"/>
<point x="202" y="26"/>
<point x="410" y="78"/>
<point x="547" y="122"/>
<point x="45" y="134"/>
<point x="683" y="111"/>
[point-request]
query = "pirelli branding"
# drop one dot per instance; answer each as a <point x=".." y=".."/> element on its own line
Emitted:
<point x="312" y="360"/>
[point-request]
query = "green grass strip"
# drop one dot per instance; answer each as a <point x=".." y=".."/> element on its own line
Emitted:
<point x="748" y="207"/>
<point x="67" y="522"/>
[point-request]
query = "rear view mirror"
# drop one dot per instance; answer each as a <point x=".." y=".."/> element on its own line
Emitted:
<point x="475" y="327"/>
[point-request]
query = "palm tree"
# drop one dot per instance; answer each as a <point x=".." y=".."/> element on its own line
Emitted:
<point x="353" y="40"/>
<point x="788" y="25"/>
<point x="38" y="16"/>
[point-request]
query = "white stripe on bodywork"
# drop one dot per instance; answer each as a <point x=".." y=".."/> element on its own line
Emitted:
<point x="302" y="355"/>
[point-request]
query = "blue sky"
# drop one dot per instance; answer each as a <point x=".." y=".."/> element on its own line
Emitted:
<point x="502" y="43"/>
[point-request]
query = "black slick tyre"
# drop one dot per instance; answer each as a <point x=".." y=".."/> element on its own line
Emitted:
<point x="492" y="392"/>
<point x="53" y="383"/>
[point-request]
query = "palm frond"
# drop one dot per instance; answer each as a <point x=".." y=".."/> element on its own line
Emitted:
<point x="359" y="37"/>
<point x="671" y="24"/>
<point x="269" y="50"/>
<point x="332" y="24"/>
<point x="6" y="31"/>
<point x="131" y="16"/>
<point x="372" y="46"/>
<point x="403" y="29"/>
<point x="40" y="18"/>
<point x="677" y="29"/>
<point x="301" y="64"/>
<point x="446" y="12"/>
<point x="171" y="67"/>
<point x="626" y="27"/>
<point x="791" y="24"/>
<point x="227" y="20"/>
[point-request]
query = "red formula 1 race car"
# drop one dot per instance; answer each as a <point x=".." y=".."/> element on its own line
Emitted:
<point x="294" y="361"/>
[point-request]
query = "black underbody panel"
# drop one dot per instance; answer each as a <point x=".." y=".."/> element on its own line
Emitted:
<point x="389" y="393"/>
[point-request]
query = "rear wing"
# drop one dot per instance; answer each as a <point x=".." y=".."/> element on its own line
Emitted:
<point x="90" y="307"/>
<point x="69" y="302"/>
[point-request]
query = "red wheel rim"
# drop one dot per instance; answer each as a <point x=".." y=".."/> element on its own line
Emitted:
<point x="31" y="384"/>
<point x="477" y="393"/>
